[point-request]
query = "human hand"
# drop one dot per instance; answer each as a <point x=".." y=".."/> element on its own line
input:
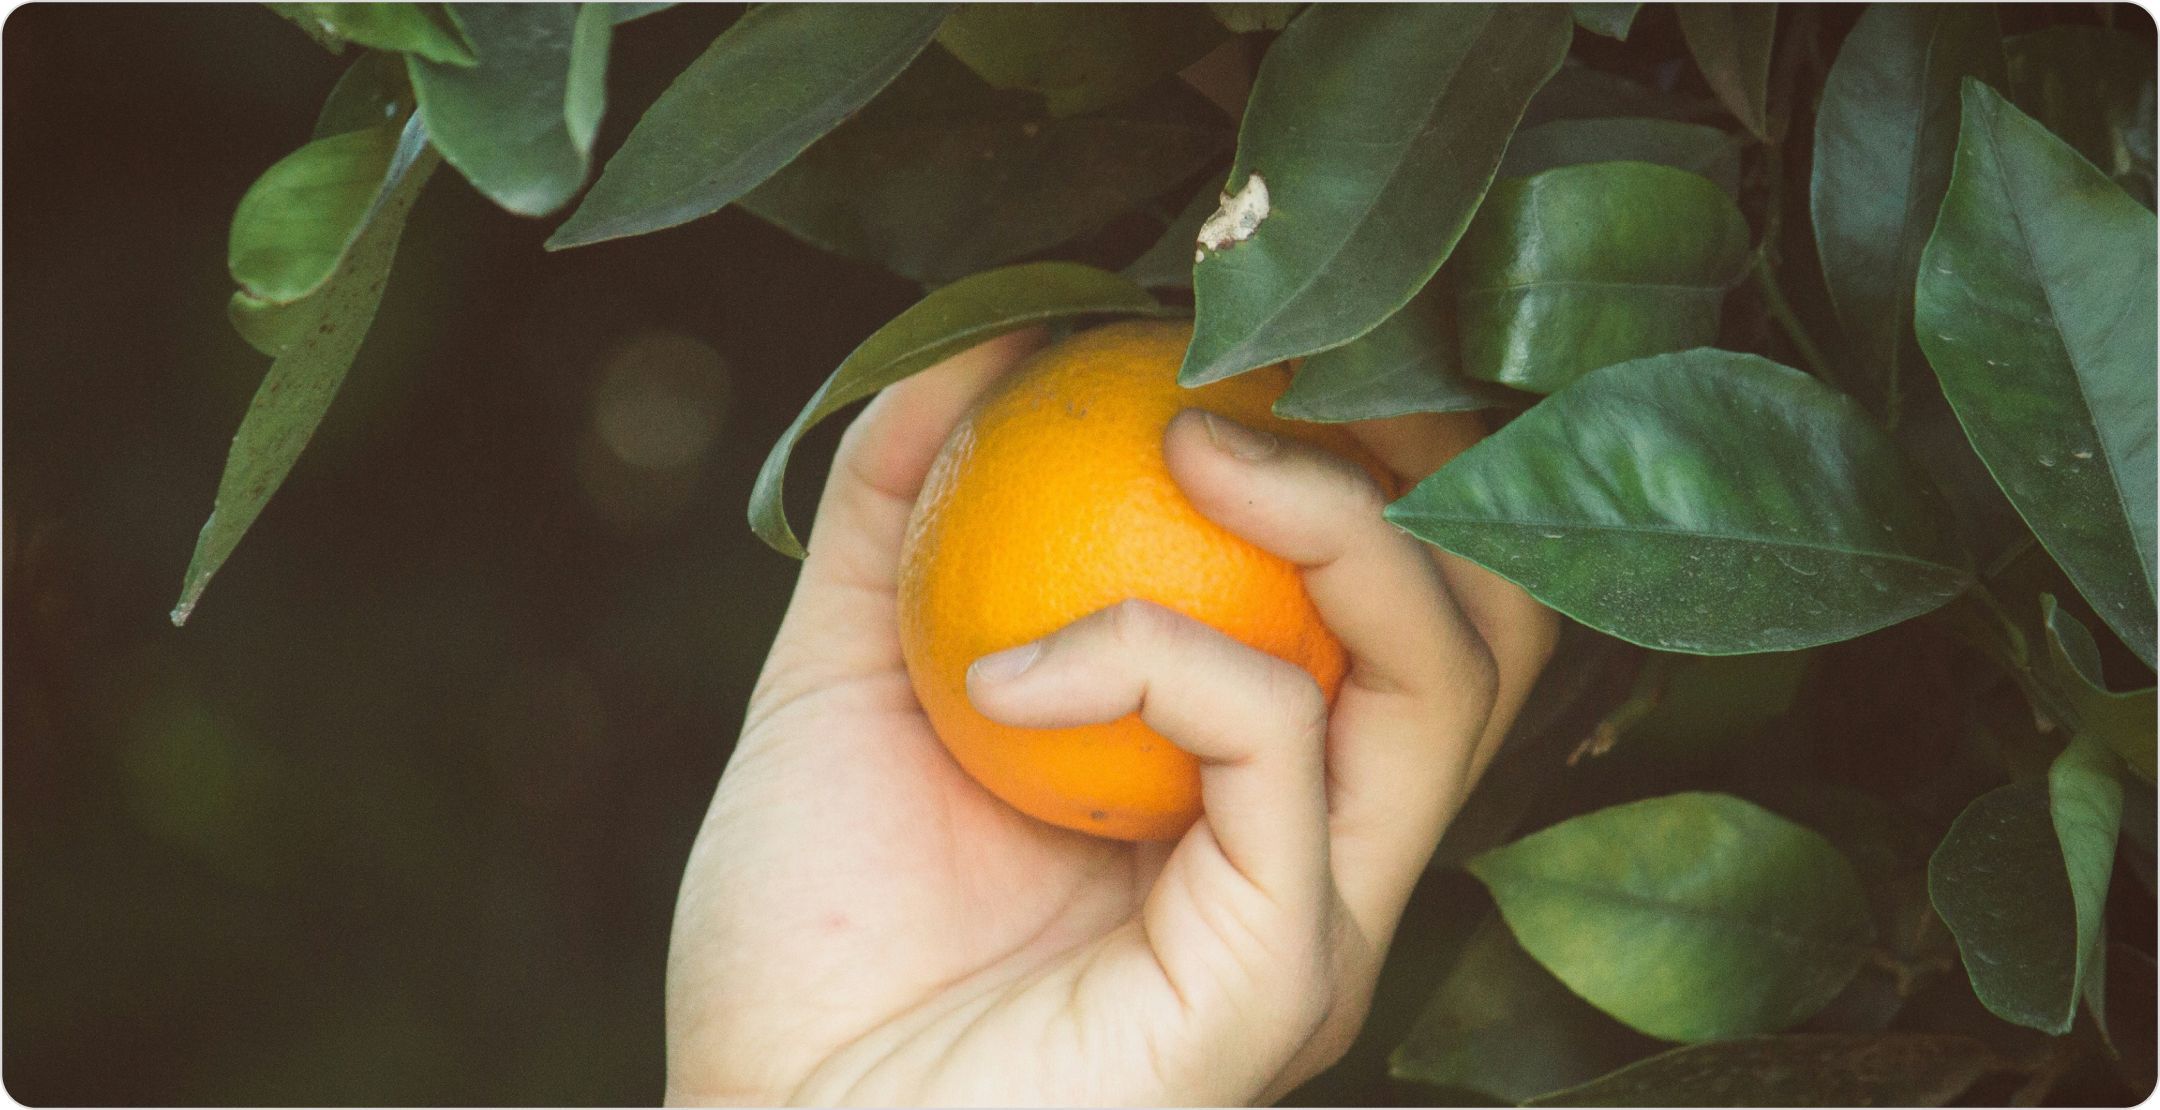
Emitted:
<point x="861" y="922"/>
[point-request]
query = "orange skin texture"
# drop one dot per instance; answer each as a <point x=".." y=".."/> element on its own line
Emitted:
<point x="1050" y="501"/>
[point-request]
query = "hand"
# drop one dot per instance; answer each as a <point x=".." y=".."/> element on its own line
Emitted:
<point x="861" y="922"/>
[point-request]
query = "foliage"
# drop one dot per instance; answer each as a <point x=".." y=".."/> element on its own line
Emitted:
<point x="1827" y="333"/>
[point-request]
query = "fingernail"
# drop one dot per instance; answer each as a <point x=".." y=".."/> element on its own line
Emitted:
<point x="1006" y="665"/>
<point x="1249" y="444"/>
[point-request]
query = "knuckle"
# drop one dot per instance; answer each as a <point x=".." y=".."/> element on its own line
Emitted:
<point x="1135" y="622"/>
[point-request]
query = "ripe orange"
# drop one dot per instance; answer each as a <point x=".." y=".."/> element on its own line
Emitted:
<point x="1051" y="501"/>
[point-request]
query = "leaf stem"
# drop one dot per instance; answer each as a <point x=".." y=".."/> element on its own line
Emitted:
<point x="1781" y="310"/>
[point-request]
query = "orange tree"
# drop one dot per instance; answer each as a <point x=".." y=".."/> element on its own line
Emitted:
<point x="1819" y="345"/>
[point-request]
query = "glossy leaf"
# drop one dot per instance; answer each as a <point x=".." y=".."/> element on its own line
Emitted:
<point x="1079" y="57"/>
<point x="422" y="29"/>
<point x="585" y="94"/>
<point x="952" y="319"/>
<point x="2000" y="883"/>
<point x="1502" y="1026"/>
<point x="1169" y="263"/>
<point x="1799" y="1069"/>
<point x="943" y="176"/>
<point x="782" y="76"/>
<point x="1884" y="138"/>
<point x="1407" y="364"/>
<point x="1372" y="180"/>
<point x="2085" y="799"/>
<point x="1731" y="44"/>
<point x="296" y="222"/>
<point x="507" y="123"/>
<point x="1703" y="502"/>
<point x="2125" y="722"/>
<point x="1245" y="18"/>
<point x="1689" y="917"/>
<point x="1610" y="20"/>
<point x="1584" y="266"/>
<point x="2092" y="88"/>
<point x="373" y="91"/>
<point x="2035" y="306"/>
<point x="1693" y="147"/>
<point x="1579" y="92"/>
<point x="300" y="385"/>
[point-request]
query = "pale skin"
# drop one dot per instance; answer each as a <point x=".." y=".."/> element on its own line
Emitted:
<point x="860" y="922"/>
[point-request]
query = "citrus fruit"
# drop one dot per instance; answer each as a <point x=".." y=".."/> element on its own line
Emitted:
<point x="1050" y="501"/>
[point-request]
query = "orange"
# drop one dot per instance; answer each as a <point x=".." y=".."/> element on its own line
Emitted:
<point x="1051" y="501"/>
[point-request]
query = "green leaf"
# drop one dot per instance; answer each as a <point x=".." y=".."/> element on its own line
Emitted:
<point x="585" y="94"/>
<point x="1579" y="92"/>
<point x="1371" y="180"/>
<point x="1609" y="20"/>
<point x="1407" y="364"/>
<point x="625" y="12"/>
<point x="2124" y="722"/>
<point x="2093" y="88"/>
<point x="1689" y="917"/>
<point x="270" y="327"/>
<point x="952" y="319"/>
<point x="1731" y="44"/>
<point x="298" y="220"/>
<point x="1884" y="138"/>
<point x="1246" y="18"/>
<point x="1502" y="1026"/>
<point x="1708" y="703"/>
<point x="1079" y="57"/>
<point x="1693" y="147"/>
<point x="301" y="383"/>
<point x="1169" y="263"/>
<point x="421" y="29"/>
<point x="2035" y="307"/>
<point x="2085" y="799"/>
<point x="507" y="123"/>
<point x="1584" y="266"/>
<point x="372" y="92"/>
<point x="2002" y="882"/>
<point x="1703" y="502"/>
<point x="1799" y="1069"/>
<point x="944" y="176"/>
<point x="770" y="85"/>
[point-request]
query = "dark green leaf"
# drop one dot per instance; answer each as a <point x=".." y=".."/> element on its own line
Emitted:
<point x="1579" y="92"/>
<point x="1731" y="44"/>
<point x="2093" y="88"/>
<point x="302" y="382"/>
<point x="2035" y="306"/>
<point x="1244" y="18"/>
<point x="1407" y="364"/>
<point x="1169" y="263"/>
<point x="1609" y="20"/>
<point x="1079" y="57"/>
<point x="2021" y="882"/>
<point x="1693" y="147"/>
<point x="421" y="29"/>
<point x="1884" y="139"/>
<point x="1704" y="704"/>
<point x="952" y="319"/>
<point x="506" y="123"/>
<point x="1690" y="917"/>
<point x="1703" y="502"/>
<point x="1371" y="181"/>
<point x="373" y="91"/>
<point x="2124" y="722"/>
<point x="297" y="221"/>
<point x="1502" y="1026"/>
<point x="1584" y="266"/>
<point x="943" y="176"/>
<point x="772" y="84"/>
<point x="1800" y="1069"/>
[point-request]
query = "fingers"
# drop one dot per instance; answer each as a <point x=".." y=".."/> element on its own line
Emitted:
<point x="1256" y="723"/>
<point x="1420" y="685"/>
